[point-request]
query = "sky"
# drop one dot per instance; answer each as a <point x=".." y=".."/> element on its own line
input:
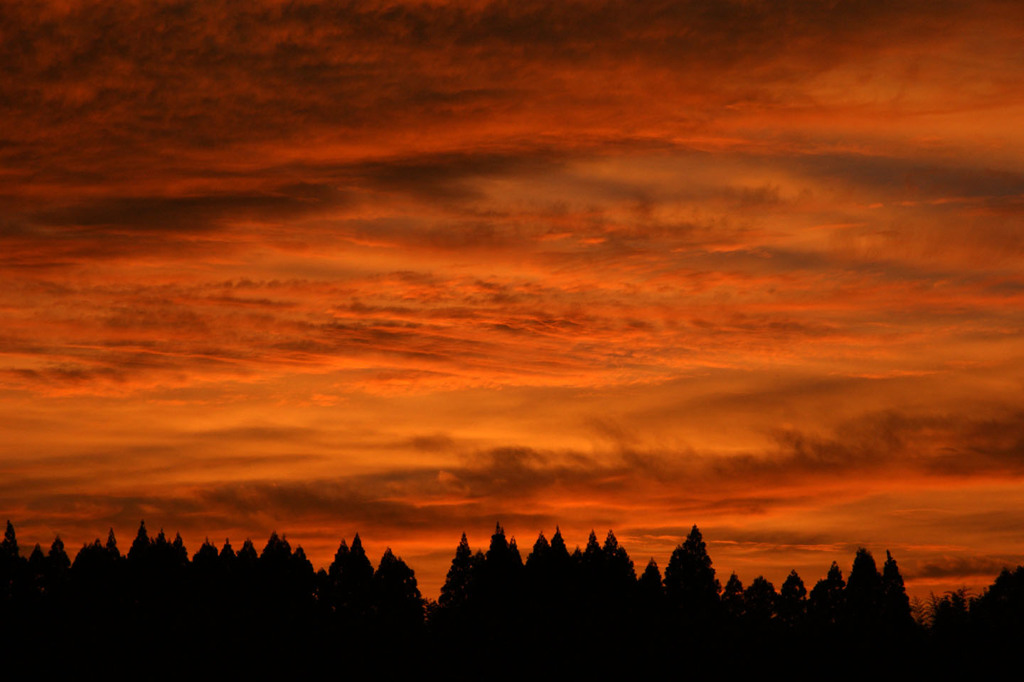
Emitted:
<point x="412" y="269"/>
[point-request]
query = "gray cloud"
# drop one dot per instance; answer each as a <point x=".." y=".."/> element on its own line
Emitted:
<point x="965" y="567"/>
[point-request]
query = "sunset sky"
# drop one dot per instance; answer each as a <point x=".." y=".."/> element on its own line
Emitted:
<point x="409" y="269"/>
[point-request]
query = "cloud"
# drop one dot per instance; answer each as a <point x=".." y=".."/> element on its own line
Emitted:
<point x="405" y="266"/>
<point x="967" y="568"/>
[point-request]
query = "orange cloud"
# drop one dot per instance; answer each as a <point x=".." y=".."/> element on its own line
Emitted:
<point x="404" y="268"/>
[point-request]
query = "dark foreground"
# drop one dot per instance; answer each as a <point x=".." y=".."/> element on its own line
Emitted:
<point x="558" y="614"/>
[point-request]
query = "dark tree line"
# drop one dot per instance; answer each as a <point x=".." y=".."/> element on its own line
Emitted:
<point x="585" y="608"/>
<point x="223" y="604"/>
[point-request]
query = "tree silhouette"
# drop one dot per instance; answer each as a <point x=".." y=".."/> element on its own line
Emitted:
<point x="998" y="614"/>
<point x="276" y="552"/>
<point x="351" y="576"/>
<point x="540" y="556"/>
<point x="863" y="596"/>
<point x="397" y="600"/>
<point x="592" y="574"/>
<point x="825" y="605"/>
<point x="619" y="573"/>
<point x="178" y="553"/>
<point x="458" y="585"/>
<point x="515" y="556"/>
<point x="651" y="595"/>
<point x="500" y="587"/>
<point x="32" y="590"/>
<point x="690" y="584"/>
<point x="140" y="545"/>
<point x="759" y="600"/>
<point x="792" y="604"/>
<point x="951" y="618"/>
<point x="732" y="597"/>
<point x="895" y="602"/>
<point x="206" y="558"/>
<point x="9" y="547"/>
<point x="10" y="566"/>
<point x="340" y="556"/>
<point x="57" y="562"/>
<point x="649" y="585"/>
<point x="245" y="603"/>
<point x="111" y="545"/>
<point x="247" y="556"/>
<point x="37" y="567"/>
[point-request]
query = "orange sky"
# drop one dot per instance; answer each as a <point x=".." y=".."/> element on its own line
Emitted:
<point x="409" y="269"/>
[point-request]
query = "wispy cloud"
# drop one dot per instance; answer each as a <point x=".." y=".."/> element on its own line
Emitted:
<point x="410" y="266"/>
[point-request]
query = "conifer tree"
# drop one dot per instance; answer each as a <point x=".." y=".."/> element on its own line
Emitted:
<point x="9" y="547"/>
<point x="650" y="610"/>
<point x="360" y="569"/>
<point x="111" y="546"/>
<point x="649" y="584"/>
<point x="248" y="552"/>
<point x="792" y="601"/>
<point x="732" y="597"/>
<point x="499" y="583"/>
<point x="36" y="566"/>
<point x="497" y="552"/>
<point x="301" y="565"/>
<point x="863" y="594"/>
<point x="206" y="558"/>
<point x="759" y="601"/>
<point x="10" y="564"/>
<point x="178" y="552"/>
<point x="592" y="553"/>
<point x="541" y="550"/>
<point x="619" y="571"/>
<point x="458" y="585"/>
<point x="397" y="600"/>
<point x="513" y="550"/>
<point x="57" y="559"/>
<point x="340" y="557"/>
<point x="895" y="603"/>
<point x="825" y="604"/>
<point x="592" y="572"/>
<point x="353" y="583"/>
<point x="558" y="549"/>
<point x="140" y="545"/>
<point x="690" y="584"/>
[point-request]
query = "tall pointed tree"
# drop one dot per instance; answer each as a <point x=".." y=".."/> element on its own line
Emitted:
<point x="825" y="604"/>
<point x="618" y="568"/>
<point x="340" y="557"/>
<point x="895" y="602"/>
<point x="140" y="545"/>
<point x="458" y="585"/>
<point x="9" y="547"/>
<point x="353" y="583"/>
<point x="398" y="605"/>
<point x="863" y="594"/>
<point x="111" y="545"/>
<point x="227" y="554"/>
<point x="690" y="584"/>
<point x="10" y="564"/>
<point x="649" y="584"/>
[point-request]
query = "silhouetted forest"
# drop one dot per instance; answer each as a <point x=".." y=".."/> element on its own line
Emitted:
<point x="582" y="609"/>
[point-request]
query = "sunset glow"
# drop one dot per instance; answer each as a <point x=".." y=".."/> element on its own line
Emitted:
<point x="412" y="269"/>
